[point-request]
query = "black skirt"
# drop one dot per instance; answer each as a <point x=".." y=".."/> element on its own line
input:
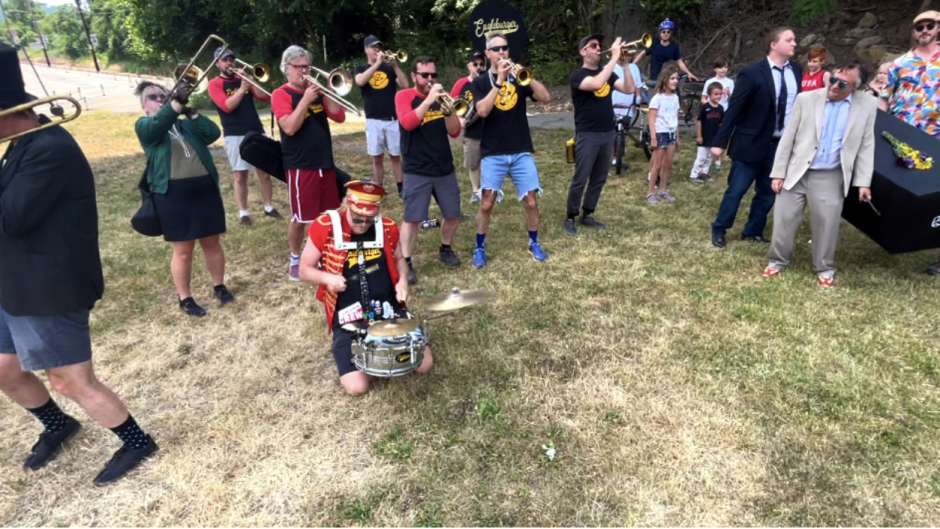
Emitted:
<point x="190" y="209"/>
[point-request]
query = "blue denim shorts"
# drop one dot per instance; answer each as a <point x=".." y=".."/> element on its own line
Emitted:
<point x="665" y="139"/>
<point x="44" y="342"/>
<point x="520" y="168"/>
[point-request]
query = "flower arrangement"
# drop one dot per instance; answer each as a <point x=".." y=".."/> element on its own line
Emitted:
<point x="906" y="156"/>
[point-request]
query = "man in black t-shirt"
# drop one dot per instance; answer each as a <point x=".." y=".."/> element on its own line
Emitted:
<point x="429" y="163"/>
<point x="378" y="80"/>
<point x="594" y="128"/>
<point x="662" y="51"/>
<point x="506" y="146"/>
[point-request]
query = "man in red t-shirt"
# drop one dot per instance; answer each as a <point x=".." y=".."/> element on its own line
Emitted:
<point x="235" y="100"/>
<point x="344" y="283"/>
<point x="472" y="127"/>
<point x="302" y="112"/>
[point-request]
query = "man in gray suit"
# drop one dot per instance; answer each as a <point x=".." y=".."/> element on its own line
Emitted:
<point x="828" y="147"/>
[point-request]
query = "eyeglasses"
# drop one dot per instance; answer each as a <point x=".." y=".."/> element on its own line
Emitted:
<point x="666" y="31"/>
<point x="925" y="27"/>
<point x="369" y="220"/>
<point x="425" y="75"/>
<point x="478" y="64"/>
<point x="159" y="98"/>
<point x="301" y="67"/>
<point x="504" y="47"/>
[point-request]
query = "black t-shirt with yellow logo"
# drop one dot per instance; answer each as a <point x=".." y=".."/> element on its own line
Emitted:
<point x="426" y="149"/>
<point x="593" y="111"/>
<point x="506" y="128"/>
<point x="378" y="95"/>
<point x="311" y="147"/>
<point x="378" y="276"/>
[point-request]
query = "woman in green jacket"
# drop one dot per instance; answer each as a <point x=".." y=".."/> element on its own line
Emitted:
<point x="185" y="184"/>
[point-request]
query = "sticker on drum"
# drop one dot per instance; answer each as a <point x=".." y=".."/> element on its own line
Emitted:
<point x="390" y="356"/>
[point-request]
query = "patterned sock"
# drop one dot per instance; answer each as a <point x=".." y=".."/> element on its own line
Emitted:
<point x="130" y="433"/>
<point x="50" y="415"/>
<point x="533" y="236"/>
<point x="481" y="240"/>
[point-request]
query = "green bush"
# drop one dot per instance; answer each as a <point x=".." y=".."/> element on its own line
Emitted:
<point x="805" y="11"/>
<point x="669" y="8"/>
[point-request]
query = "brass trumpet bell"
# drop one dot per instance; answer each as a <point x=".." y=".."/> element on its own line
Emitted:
<point x="392" y="56"/>
<point x="451" y="106"/>
<point x="194" y="76"/>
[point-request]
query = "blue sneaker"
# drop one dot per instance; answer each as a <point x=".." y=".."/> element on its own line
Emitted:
<point x="479" y="258"/>
<point x="536" y="250"/>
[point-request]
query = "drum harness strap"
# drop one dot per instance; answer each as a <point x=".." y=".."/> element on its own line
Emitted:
<point x="368" y="310"/>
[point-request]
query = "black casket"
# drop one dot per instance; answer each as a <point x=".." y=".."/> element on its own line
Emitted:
<point x="908" y="200"/>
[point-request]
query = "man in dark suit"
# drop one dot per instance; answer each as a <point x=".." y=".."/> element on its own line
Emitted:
<point x="758" y="112"/>
<point x="50" y="278"/>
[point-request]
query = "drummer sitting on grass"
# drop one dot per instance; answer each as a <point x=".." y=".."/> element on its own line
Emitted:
<point x="340" y="290"/>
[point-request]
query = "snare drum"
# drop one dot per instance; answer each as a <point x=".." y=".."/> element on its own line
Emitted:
<point x="390" y="356"/>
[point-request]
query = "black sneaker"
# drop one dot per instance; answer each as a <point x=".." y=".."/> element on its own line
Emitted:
<point x="591" y="222"/>
<point x="570" y="228"/>
<point x="274" y="214"/>
<point x="49" y="444"/>
<point x="412" y="276"/>
<point x="448" y="257"/>
<point x="223" y="294"/>
<point x="189" y="306"/>
<point x="244" y="220"/>
<point x="125" y="460"/>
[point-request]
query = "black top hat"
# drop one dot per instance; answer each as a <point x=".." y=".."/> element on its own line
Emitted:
<point x="12" y="89"/>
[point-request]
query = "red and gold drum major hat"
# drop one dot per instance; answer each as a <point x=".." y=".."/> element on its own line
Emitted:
<point x="364" y="197"/>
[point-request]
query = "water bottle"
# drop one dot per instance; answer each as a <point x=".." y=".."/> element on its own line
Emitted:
<point x="431" y="223"/>
<point x="569" y="151"/>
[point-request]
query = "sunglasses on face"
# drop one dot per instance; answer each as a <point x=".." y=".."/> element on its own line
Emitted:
<point x="427" y="75"/>
<point x="504" y="47"/>
<point x="841" y="83"/>
<point x="159" y="98"/>
<point x="666" y="31"/>
<point x="594" y="46"/>
<point x="301" y="66"/>
<point x="925" y="27"/>
<point x="369" y="220"/>
<point x="478" y="65"/>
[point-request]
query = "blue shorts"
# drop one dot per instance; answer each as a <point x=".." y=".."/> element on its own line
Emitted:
<point x="44" y="342"/>
<point x="520" y="167"/>
<point x="665" y="139"/>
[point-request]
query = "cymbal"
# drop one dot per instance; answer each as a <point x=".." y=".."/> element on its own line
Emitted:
<point x="457" y="299"/>
<point x="397" y="327"/>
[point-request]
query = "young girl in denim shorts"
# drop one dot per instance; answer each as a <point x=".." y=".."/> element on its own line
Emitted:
<point x="664" y="137"/>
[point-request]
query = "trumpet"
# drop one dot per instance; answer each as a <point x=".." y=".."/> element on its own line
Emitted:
<point x="55" y="110"/>
<point x="193" y="75"/>
<point x="339" y="83"/>
<point x="392" y="56"/>
<point x="451" y="106"/>
<point x="260" y="73"/>
<point x="521" y="74"/>
<point x="627" y="47"/>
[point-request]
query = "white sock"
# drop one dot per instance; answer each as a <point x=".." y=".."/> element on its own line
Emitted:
<point x="268" y="208"/>
<point x="294" y="259"/>
<point x="243" y="213"/>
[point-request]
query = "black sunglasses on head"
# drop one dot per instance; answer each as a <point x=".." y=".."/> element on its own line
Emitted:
<point x="363" y="221"/>
<point x="504" y="47"/>
<point x="425" y="75"/>
<point x="925" y="27"/>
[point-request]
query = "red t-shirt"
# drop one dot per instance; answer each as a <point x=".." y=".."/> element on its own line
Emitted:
<point x="813" y="81"/>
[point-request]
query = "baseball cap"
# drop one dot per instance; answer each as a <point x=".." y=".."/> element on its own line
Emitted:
<point x="589" y="38"/>
<point x="475" y="55"/>
<point x="927" y="15"/>
<point x="221" y="53"/>
<point x="372" y="40"/>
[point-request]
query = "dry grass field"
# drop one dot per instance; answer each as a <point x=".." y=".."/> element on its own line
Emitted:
<point x="676" y="386"/>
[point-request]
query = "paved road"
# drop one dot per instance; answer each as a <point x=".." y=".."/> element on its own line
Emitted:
<point x="111" y="91"/>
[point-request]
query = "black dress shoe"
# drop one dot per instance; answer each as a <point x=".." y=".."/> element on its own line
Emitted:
<point x="755" y="238"/>
<point x="412" y="275"/>
<point x="189" y="306"/>
<point x="718" y="241"/>
<point x="49" y="444"/>
<point x="223" y="295"/>
<point x="125" y="460"/>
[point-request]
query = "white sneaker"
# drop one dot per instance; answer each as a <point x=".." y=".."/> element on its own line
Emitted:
<point x="475" y="197"/>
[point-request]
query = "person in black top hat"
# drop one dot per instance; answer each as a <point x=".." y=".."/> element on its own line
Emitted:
<point x="50" y="278"/>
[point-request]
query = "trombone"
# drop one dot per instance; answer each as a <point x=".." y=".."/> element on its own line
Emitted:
<point x="56" y="111"/>
<point x="193" y="75"/>
<point x="260" y="73"/>
<point x="392" y="56"/>
<point x="451" y="106"/>
<point x="339" y="83"/>
<point x="625" y="48"/>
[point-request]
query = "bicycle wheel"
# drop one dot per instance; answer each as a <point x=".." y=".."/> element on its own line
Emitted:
<point x="690" y="105"/>
<point x="619" y="152"/>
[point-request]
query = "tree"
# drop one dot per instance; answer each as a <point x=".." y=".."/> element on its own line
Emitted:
<point x="22" y="14"/>
<point x="65" y="31"/>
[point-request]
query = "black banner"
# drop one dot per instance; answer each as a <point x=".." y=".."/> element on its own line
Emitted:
<point x="493" y="16"/>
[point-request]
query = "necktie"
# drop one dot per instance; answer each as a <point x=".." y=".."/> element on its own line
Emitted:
<point x="781" y="100"/>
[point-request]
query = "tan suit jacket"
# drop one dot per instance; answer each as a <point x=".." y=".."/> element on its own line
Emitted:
<point x="800" y="140"/>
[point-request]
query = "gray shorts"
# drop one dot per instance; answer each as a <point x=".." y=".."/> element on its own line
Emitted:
<point x="471" y="153"/>
<point x="44" y="342"/>
<point x="418" y="190"/>
<point x="383" y="136"/>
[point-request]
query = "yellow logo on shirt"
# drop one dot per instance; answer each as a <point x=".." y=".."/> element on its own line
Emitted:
<point x="230" y="92"/>
<point x="468" y="95"/>
<point x="431" y="115"/>
<point x="603" y="91"/>
<point x="371" y="254"/>
<point x="379" y="80"/>
<point x="314" y="109"/>
<point x="507" y="97"/>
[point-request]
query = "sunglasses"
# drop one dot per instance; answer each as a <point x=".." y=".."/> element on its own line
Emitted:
<point x="478" y="65"/>
<point x="427" y="75"/>
<point x="369" y="220"/>
<point x="925" y="27"/>
<point x="666" y="31"/>
<point x="841" y="83"/>
<point x="594" y="46"/>
<point x="504" y="47"/>
<point x="156" y="97"/>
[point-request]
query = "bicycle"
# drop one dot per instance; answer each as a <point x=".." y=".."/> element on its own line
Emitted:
<point x="690" y="99"/>
<point x="623" y="124"/>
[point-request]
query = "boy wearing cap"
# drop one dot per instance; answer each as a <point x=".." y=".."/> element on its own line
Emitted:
<point x="377" y="80"/>
<point x="239" y="117"/>
<point x="354" y="278"/>
<point x="594" y="128"/>
<point x="472" y="126"/>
